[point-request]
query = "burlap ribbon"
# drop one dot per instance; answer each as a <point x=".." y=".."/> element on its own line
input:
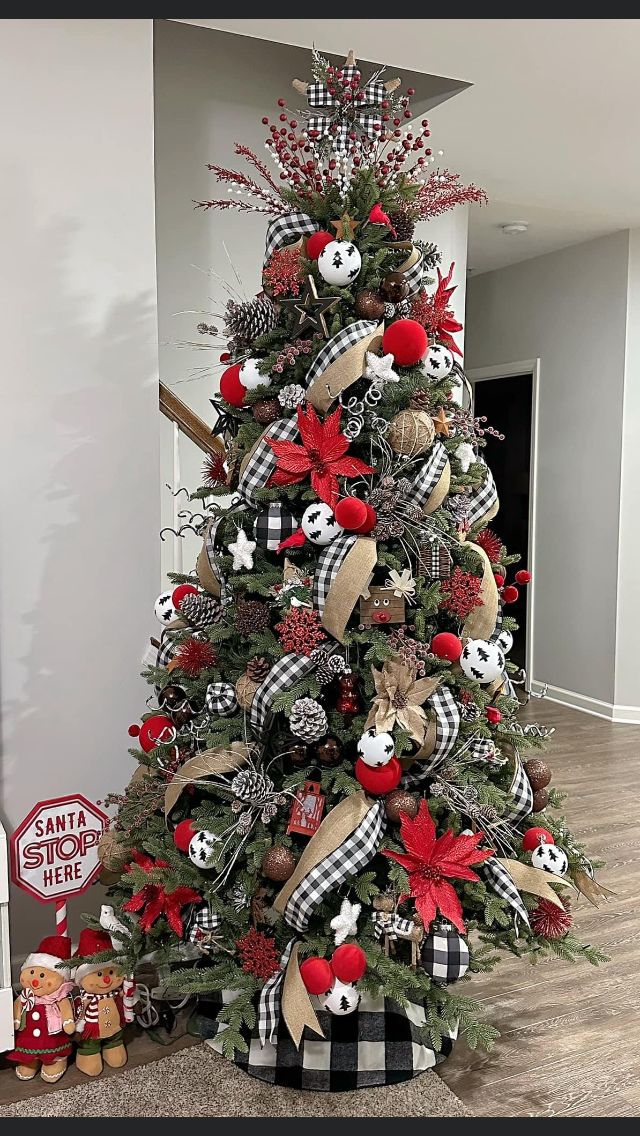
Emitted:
<point x="350" y="581"/>
<point x="346" y="356"/>
<point x="205" y="764"/>
<point x="439" y="492"/>
<point x="534" y="880"/>
<point x="206" y="568"/>
<point x="481" y="621"/>
<point x="297" y="1010"/>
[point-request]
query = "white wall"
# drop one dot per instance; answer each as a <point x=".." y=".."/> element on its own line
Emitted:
<point x="80" y="450"/>
<point x="570" y="309"/>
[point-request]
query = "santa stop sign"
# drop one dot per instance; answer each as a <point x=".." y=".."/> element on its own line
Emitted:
<point x="54" y="851"/>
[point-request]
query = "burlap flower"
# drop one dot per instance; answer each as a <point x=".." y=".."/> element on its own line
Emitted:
<point x="399" y="699"/>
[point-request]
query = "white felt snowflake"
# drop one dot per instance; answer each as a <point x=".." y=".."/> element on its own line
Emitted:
<point x="465" y="455"/>
<point x="380" y="370"/>
<point x="242" y="550"/>
<point x="346" y="923"/>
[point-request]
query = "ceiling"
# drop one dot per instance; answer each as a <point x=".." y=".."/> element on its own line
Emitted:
<point x="548" y="126"/>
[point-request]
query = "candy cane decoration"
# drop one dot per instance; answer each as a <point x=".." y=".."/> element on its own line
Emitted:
<point x="61" y="917"/>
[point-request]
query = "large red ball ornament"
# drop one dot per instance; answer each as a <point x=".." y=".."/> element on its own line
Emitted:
<point x="349" y="962"/>
<point x="378" y="781"/>
<point x="369" y="522"/>
<point x="447" y="646"/>
<point x="183" y="834"/>
<point x="535" y="836"/>
<point x="157" y="730"/>
<point x="407" y="341"/>
<point x="523" y="576"/>
<point x="510" y="594"/>
<point x="317" y="975"/>
<point x="231" y="389"/>
<point x="351" y="512"/>
<point x="180" y="592"/>
<point x="316" y="242"/>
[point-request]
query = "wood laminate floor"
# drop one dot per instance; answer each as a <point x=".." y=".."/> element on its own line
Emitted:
<point x="570" y="1035"/>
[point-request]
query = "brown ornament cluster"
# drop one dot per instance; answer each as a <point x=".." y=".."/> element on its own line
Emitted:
<point x="370" y="305"/>
<point x="539" y="775"/>
<point x="266" y="411"/>
<point x="278" y="864"/>
<point x="394" y="287"/>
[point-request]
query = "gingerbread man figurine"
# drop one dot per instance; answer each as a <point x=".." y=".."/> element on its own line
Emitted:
<point x="43" y="1012"/>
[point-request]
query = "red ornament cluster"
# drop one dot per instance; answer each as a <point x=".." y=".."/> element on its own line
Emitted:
<point x="348" y="964"/>
<point x="282" y="275"/>
<point x="300" y="631"/>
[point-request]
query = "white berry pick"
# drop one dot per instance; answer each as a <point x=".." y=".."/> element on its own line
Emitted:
<point x="242" y="550"/>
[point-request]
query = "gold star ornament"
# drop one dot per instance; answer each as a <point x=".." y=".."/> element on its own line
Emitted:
<point x="309" y="309"/>
<point x="345" y="227"/>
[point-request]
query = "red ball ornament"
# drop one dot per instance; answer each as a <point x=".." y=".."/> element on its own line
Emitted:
<point x="510" y="594"/>
<point x="317" y="975"/>
<point x="183" y="834"/>
<point x="316" y="242"/>
<point x="349" y="962"/>
<point x="369" y="522"/>
<point x="498" y="579"/>
<point x="493" y="715"/>
<point x="157" y="730"/>
<point x="231" y="389"/>
<point x="447" y="646"/>
<point x="379" y="781"/>
<point x="523" y="577"/>
<point x="535" y="836"/>
<point x="351" y="512"/>
<point x="407" y="341"/>
<point x="180" y="592"/>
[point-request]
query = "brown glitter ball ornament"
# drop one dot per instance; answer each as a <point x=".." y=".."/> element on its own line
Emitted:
<point x="252" y="616"/>
<point x="400" y="801"/>
<point x="267" y="410"/>
<point x="540" y="800"/>
<point x="246" y="691"/>
<point x="411" y="432"/>
<point x="278" y="864"/>
<point x="112" y="854"/>
<point x="369" y="305"/>
<point x="298" y="753"/>
<point x="538" y="773"/>
<point x="394" y="287"/>
<point x="328" y="751"/>
<point x="258" y="668"/>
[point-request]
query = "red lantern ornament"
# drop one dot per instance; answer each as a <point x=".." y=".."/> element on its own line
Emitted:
<point x="317" y="975"/>
<point x="523" y="577"/>
<point x="183" y="834"/>
<point x="407" y="341"/>
<point x="351" y="513"/>
<point x="348" y="700"/>
<point x="316" y="242"/>
<point x="535" y="836"/>
<point x="369" y="523"/>
<point x="231" y="389"/>
<point x="447" y="646"/>
<point x="493" y="715"/>
<point x="510" y="594"/>
<point x="348" y="962"/>
<point x="180" y="592"/>
<point x="157" y="730"/>
<point x="379" y="781"/>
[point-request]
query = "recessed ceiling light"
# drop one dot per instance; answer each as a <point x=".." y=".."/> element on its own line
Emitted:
<point x="514" y="228"/>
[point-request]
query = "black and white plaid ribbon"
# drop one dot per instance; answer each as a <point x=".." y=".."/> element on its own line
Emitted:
<point x="429" y="476"/>
<point x="521" y="793"/>
<point x="263" y="461"/>
<point x="447" y="714"/>
<point x="482" y="749"/>
<point x="393" y="926"/>
<point x="329" y="564"/>
<point x="203" y="921"/>
<point x="283" y="675"/>
<point x="269" y="1000"/>
<point x="337" y="345"/>
<point x="351" y="857"/>
<point x="337" y="125"/>
<point x="211" y="553"/>
<point x="501" y="880"/>
<point x="413" y="276"/>
<point x="169" y="646"/>
<point x="286" y="229"/>
<point x="484" y="498"/>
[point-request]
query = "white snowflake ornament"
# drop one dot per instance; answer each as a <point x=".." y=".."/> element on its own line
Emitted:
<point x="346" y="923"/>
<point x="465" y="454"/>
<point x="250" y="376"/>
<point x="242" y="550"/>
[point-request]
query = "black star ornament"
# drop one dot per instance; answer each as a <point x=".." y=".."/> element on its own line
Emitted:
<point x="309" y="309"/>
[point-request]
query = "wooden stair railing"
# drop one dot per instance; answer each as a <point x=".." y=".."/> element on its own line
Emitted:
<point x="189" y="423"/>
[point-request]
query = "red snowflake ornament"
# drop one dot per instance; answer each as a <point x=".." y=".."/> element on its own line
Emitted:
<point x="322" y="456"/>
<point x="259" y="954"/>
<point x="431" y="861"/>
<point x="299" y="630"/>
<point x="461" y="592"/>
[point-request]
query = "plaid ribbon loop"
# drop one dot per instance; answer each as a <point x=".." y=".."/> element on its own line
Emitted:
<point x="329" y="565"/>
<point x="447" y="714"/>
<point x="393" y="926"/>
<point x="429" y="476"/>
<point x="283" y="675"/>
<point x="363" y="111"/>
<point x="337" y="345"/>
<point x="483" y="503"/>
<point x="521" y="793"/>
<point x="262" y="461"/>
<point x="269" y="1000"/>
<point x="285" y="230"/>
<point x="502" y="883"/>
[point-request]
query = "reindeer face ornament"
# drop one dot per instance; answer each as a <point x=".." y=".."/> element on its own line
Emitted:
<point x="381" y="607"/>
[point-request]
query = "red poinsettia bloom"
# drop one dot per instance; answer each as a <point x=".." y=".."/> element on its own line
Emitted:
<point x="430" y="861"/>
<point x="434" y="313"/>
<point x="323" y="455"/>
<point x="152" y="899"/>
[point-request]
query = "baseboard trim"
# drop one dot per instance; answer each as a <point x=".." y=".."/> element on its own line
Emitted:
<point x="613" y="712"/>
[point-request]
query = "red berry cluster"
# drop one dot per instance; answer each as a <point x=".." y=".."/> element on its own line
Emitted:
<point x="510" y="594"/>
<point x="289" y="356"/>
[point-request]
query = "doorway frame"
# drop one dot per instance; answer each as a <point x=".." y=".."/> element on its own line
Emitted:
<point x="515" y="370"/>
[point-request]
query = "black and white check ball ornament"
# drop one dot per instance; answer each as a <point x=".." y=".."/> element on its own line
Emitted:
<point x="164" y="609"/>
<point x="203" y="849"/>
<point x="319" y="524"/>
<point x="550" y="858"/>
<point x="438" y="362"/>
<point x="482" y="661"/>
<point x="273" y="526"/>
<point x="342" y="999"/>
<point x="444" y="955"/>
<point x="375" y="749"/>
<point x="339" y="262"/>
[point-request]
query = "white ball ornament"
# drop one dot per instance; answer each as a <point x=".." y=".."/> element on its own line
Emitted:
<point x="250" y="376"/>
<point x="342" y="999"/>
<point x="319" y="524"/>
<point x="504" y="641"/>
<point x="482" y="661"/>
<point x="339" y="263"/>
<point x="550" y="858"/>
<point x="375" y="749"/>
<point x="438" y="362"/>
<point x="203" y="849"/>
<point x="164" y="609"/>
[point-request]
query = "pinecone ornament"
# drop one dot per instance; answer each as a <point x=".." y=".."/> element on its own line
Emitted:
<point x="421" y="400"/>
<point x="244" y="322"/>
<point x="252" y="616"/>
<point x="431" y="255"/>
<point x="201" y="611"/>
<point x="308" y="720"/>
<point x="258" y="668"/>
<point x="328" y="666"/>
<point x="404" y="226"/>
<point x="291" y="396"/>
<point x="251" y="787"/>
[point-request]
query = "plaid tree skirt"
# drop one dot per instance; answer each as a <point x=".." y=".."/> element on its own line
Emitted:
<point x="382" y="1043"/>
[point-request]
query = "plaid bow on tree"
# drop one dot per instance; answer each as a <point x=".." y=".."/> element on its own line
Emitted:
<point x="346" y="104"/>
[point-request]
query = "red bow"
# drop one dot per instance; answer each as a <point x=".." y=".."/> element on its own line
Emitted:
<point x="156" y="901"/>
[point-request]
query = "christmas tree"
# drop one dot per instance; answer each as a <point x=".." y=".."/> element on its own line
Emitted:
<point x="336" y="814"/>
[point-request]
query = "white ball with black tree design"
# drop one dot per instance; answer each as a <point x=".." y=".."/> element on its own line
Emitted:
<point x="482" y="661"/>
<point x="339" y="263"/>
<point x="342" y="999"/>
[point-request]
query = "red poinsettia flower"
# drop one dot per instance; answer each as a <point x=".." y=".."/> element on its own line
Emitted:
<point x="430" y="861"/>
<point x="434" y="313"/>
<point x="323" y="455"/>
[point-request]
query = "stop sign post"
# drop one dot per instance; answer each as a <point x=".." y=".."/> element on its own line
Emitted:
<point x="54" y="851"/>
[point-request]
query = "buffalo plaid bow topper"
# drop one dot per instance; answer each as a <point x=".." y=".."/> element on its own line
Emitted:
<point x="347" y="105"/>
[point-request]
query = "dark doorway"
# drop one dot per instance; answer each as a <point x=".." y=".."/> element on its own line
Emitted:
<point x="506" y="402"/>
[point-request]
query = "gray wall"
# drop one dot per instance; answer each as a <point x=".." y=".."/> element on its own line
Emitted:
<point x="570" y="309"/>
<point x="80" y="442"/>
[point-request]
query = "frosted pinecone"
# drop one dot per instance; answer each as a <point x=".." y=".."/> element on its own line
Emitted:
<point x="201" y="611"/>
<point x="404" y="226"/>
<point x="291" y="396"/>
<point x="308" y="720"/>
<point x="244" y="322"/>
<point x="251" y="787"/>
<point x="258" y="668"/>
<point x="328" y="666"/>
